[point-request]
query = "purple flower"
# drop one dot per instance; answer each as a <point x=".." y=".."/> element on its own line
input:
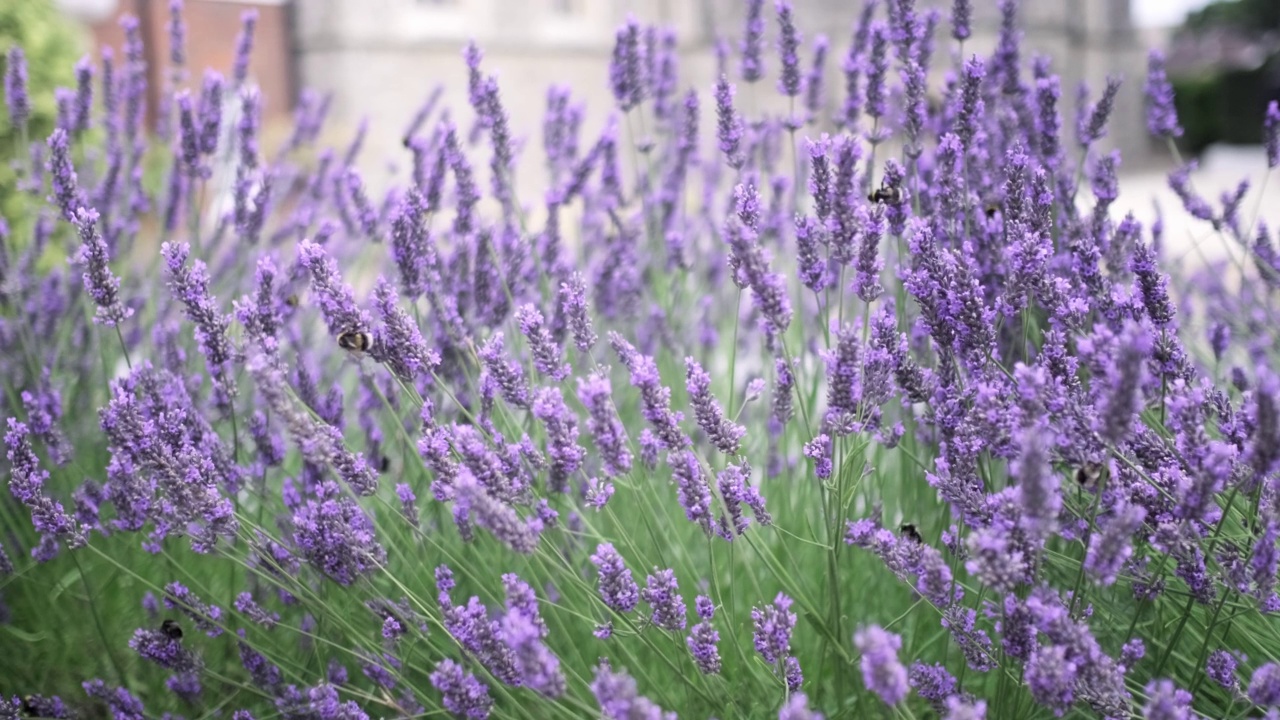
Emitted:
<point x="1166" y="701"/>
<point x="399" y="344"/>
<point x="506" y="372"/>
<point x="67" y="194"/>
<point x="772" y="627"/>
<point x="882" y="672"/>
<point x="1264" y="686"/>
<point x="692" y="487"/>
<point x="247" y="606"/>
<point x="617" y="588"/>
<point x="1221" y="668"/>
<point x="932" y="682"/>
<point x="336" y="536"/>
<point x="27" y="484"/>
<point x="336" y="300"/>
<point x="703" y="638"/>
<point x="167" y="652"/>
<point x="122" y="704"/>
<point x="819" y="451"/>
<point x="210" y="112"/>
<point x="603" y="423"/>
<point x="797" y="708"/>
<point x="962" y="708"/>
<point x="321" y="443"/>
<point x="877" y="66"/>
<point x="99" y="282"/>
<point x="463" y="694"/>
<point x="546" y="353"/>
<point x="1162" y="116"/>
<point x="813" y="81"/>
<point x="1271" y="133"/>
<point x="15" y="87"/>
<point x="573" y="293"/>
<point x="661" y="592"/>
<point x="788" y="49"/>
<point x="1092" y="125"/>
<point x="1152" y="286"/>
<point x="208" y="618"/>
<point x="625" y="69"/>
<point x="753" y="42"/>
<point x="723" y="433"/>
<point x="961" y="14"/>
<point x="84" y="96"/>
<point x="537" y="667"/>
<point x="474" y="502"/>
<point x="729" y="127"/>
<point x="1051" y="677"/>
<point x="620" y="699"/>
<point x="562" y="437"/>
<point x="190" y="286"/>
<point x="654" y="396"/>
<point x="1112" y="545"/>
<point x="244" y="47"/>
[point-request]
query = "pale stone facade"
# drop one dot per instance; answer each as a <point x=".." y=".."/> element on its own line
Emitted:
<point x="381" y="58"/>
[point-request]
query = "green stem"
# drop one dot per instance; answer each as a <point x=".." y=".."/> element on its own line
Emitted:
<point x="97" y="620"/>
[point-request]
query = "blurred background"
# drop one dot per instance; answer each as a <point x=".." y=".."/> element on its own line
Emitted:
<point x="376" y="61"/>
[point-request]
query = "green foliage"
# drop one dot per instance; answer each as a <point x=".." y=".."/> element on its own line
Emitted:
<point x="52" y="46"/>
<point x="1224" y="106"/>
<point x="1254" y="17"/>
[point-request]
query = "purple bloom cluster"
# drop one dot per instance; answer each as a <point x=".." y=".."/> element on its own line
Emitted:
<point x="901" y="312"/>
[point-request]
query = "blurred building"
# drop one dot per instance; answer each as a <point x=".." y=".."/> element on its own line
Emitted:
<point x="211" y="30"/>
<point x="379" y="59"/>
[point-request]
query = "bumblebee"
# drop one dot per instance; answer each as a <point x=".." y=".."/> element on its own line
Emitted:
<point x="887" y="195"/>
<point x="292" y="300"/>
<point x="991" y="208"/>
<point x="1087" y="475"/>
<point x="909" y="532"/>
<point x="384" y="464"/>
<point x="355" y="341"/>
<point x="171" y="629"/>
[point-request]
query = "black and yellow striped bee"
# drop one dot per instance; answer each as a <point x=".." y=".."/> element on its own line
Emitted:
<point x="1087" y="475"/>
<point x="887" y="195"/>
<point x="171" y="629"/>
<point x="355" y="341"/>
<point x="909" y="532"/>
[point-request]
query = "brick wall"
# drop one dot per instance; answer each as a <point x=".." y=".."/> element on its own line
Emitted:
<point x="212" y="26"/>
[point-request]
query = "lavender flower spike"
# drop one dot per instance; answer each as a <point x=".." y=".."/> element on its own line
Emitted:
<point x="620" y="699"/>
<point x="1271" y="133"/>
<point x="788" y="48"/>
<point x="882" y="672"/>
<point x="15" y="87"/>
<point x="66" y="190"/>
<point x="546" y="354"/>
<point x="753" y="42"/>
<point x="724" y="434"/>
<point x="961" y="17"/>
<point x="617" y="588"/>
<point x="101" y="284"/>
<point x="1162" y="116"/>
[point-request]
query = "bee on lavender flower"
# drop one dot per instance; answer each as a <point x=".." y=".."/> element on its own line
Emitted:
<point x="356" y="342"/>
<point x="292" y="300"/>
<point x="909" y="532"/>
<point x="171" y="629"/>
<point x="991" y="207"/>
<point x="1087" y="475"/>
<point x="886" y="195"/>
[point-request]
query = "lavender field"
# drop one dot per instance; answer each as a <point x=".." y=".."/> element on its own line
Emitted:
<point x="786" y="399"/>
